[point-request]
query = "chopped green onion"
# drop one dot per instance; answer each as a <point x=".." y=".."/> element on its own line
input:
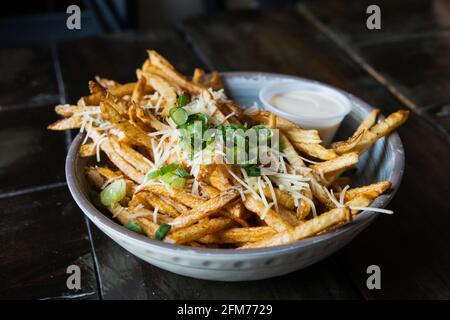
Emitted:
<point x="169" y="168"/>
<point x="182" y="100"/>
<point x="198" y="117"/>
<point x="113" y="193"/>
<point x="162" y="231"/>
<point x="153" y="174"/>
<point x="174" y="180"/>
<point x="133" y="226"/>
<point x="95" y="199"/>
<point x="178" y="115"/>
<point x="254" y="171"/>
<point x="182" y="173"/>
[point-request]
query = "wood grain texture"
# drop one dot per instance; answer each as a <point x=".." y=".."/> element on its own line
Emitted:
<point x="41" y="234"/>
<point x="410" y="52"/>
<point x="411" y="246"/>
<point x="28" y="76"/>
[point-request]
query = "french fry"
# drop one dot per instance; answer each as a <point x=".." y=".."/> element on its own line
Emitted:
<point x="73" y="122"/>
<point x="198" y="75"/>
<point x="238" y="235"/>
<point x="87" y="150"/>
<point x="182" y="196"/>
<point x="199" y="230"/>
<point x="272" y="218"/>
<point x="204" y="210"/>
<point x="305" y="230"/>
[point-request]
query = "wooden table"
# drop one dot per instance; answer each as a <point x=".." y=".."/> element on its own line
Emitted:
<point x="403" y="65"/>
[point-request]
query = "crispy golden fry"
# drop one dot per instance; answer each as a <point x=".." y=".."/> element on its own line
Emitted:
<point x="148" y="226"/>
<point x="182" y="196"/>
<point x="214" y="81"/>
<point x="156" y="202"/>
<point x="305" y="230"/>
<point x="342" y="162"/>
<point x="199" y="230"/>
<point x="171" y="74"/>
<point x="74" y="122"/>
<point x="315" y="150"/>
<point x="132" y="156"/>
<point x="289" y="216"/>
<point x="371" y="190"/>
<point x="163" y="88"/>
<point x="234" y="210"/>
<point x="368" y="122"/>
<point x="379" y="130"/>
<point x="69" y="110"/>
<point x="348" y="145"/>
<point x="106" y="83"/>
<point x="272" y="218"/>
<point x="283" y="198"/>
<point x="219" y="179"/>
<point x="139" y="90"/>
<point x="205" y="209"/>
<point x="239" y="235"/>
<point x="87" y="150"/>
<point x="198" y="75"/>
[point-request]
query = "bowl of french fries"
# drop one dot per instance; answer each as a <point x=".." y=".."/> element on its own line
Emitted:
<point x="192" y="176"/>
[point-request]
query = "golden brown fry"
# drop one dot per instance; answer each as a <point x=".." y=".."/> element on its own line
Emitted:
<point x="272" y="218"/>
<point x="305" y="230"/>
<point x="315" y="150"/>
<point x="163" y="88"/>
<point x="371" y="190"/>
<point x="169" y="72"/>
<point x="340" y="163"/>
<point x="238" y="235"/>
<point x="198" y="75"/>
<point x="74" y="122"/>
<point x="204" y="210"/>
<point x="106" y="83"/>
<point x="199" y="230"/>
<point x="87" y="150"/>
<point x="182" y="196"/>
<point x="214" y="81"/>
<point x="132" y="156"/>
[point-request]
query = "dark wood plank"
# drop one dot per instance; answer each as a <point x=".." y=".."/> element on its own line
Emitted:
<point x="123" y="276"/>
<point x="399" y="19"/>
<point x="43" y="233"/>
<point x="28" y="76"/>
<point x="31" y="156"/>
<point x="410" y="51"/>
<point x="411" y="246"/>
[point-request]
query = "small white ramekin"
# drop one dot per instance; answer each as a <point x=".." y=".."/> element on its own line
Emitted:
<point x="326" y="124"/>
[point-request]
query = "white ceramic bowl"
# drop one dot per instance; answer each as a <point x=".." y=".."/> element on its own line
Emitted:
<point x="385" y="161"/>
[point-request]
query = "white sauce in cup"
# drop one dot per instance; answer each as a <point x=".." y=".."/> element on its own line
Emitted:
<point x="311" y="105"/>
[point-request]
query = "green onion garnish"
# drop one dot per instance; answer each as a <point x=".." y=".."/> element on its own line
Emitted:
<point x="153" y="174"/>
<point x="113" y="193"/>
<point x="133" y="226"/>
<point x="178" y="115"/>
<point x="168" y="168"/>
<point x="182" y="100"/>
<point x="254" y="171"/>
<point x="162" y="231"/>
<point x="174" y="180"/>
<point x="182" y="173"/>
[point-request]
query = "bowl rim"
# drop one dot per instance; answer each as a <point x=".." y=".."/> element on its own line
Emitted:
<point x="393" y="140"/>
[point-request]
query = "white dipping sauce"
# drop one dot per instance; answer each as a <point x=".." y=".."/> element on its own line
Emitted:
<point x="312" y="110"/>
<point x="304" y="103"/>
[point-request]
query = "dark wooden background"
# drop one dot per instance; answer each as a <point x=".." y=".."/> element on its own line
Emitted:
<point x="404" y="65"/>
